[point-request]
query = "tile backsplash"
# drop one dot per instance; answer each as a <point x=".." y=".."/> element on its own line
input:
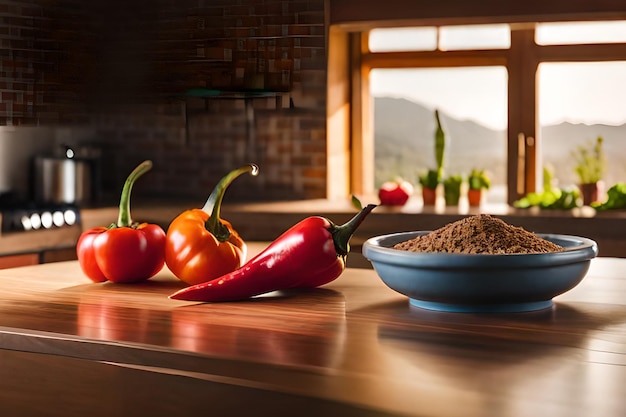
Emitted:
<point x="120" y="70"/>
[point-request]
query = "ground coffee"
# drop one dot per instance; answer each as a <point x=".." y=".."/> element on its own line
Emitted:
<point x="479" y="234"/>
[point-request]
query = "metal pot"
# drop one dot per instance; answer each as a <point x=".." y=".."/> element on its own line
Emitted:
<point x="63" y="179"/>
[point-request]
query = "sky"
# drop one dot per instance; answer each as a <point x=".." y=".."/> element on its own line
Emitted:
<point x="584" y="92"/>
<point x="576" y="92"/>
<point x="477" y="94"/>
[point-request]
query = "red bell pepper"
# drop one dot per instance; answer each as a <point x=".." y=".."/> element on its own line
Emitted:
<point x="125" y="251"/>
<point x="199" y="245"/>
<point x="395" y="193"/>
<point x="311" y="253"/>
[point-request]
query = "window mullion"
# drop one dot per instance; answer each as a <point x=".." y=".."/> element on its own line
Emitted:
<point x="361" y="131"/>
<point x="581" y="53"/>
<point x="524" y="145"/>
<point x="425" y="59"/>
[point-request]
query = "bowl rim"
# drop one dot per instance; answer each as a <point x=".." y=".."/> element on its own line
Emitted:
<point x="576" y="249"/>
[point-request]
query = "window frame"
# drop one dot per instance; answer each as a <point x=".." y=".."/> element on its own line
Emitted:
<point x="521" y="61"/>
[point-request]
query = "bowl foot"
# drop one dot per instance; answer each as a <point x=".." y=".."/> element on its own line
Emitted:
<point x="482" y="308"/>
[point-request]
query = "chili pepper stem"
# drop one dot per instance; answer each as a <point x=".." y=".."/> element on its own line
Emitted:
<point x="214" y="202"/>
<point x="342" y="234"/>
<point x="124" y="218"/>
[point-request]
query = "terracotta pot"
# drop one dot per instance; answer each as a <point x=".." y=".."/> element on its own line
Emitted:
<point x="590" y="192"/>
<point x="474" y="197"/>
<point x="429" y="195"/>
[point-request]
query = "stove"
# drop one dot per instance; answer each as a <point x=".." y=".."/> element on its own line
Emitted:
<point x="28" y="227"/>
<point x="25" y="216"/>
<point x="28" y="217"/>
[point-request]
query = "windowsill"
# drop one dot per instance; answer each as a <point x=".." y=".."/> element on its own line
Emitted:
<point x="265" y="221"/>
<point x="415" y="206"/>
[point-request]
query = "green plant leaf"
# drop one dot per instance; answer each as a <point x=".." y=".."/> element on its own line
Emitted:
<point x="356" y="203"/>
<point x="591" y="162"/>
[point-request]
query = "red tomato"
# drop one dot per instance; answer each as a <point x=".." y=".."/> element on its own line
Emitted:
<point x="395" y="193"/>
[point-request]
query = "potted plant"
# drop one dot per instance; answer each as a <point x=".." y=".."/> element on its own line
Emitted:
<point x="429" y="182"/>
<point x="452" y="189"/>
<point x="477" y="181"/>
<point x="590" y="168"/>
<point x="432" y="178"/>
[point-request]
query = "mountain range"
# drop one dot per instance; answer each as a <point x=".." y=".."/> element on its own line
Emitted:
<point x="404" y="144"/>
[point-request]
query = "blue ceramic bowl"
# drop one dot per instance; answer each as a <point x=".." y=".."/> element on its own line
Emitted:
<point x="480" y="282"/>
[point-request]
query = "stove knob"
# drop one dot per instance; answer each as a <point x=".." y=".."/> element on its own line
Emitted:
<point x="26" y="224"/>
<point x="46" y="219"/>
<point x="58" y="219"/>
<point x="70" y="217"/>
<point x="35" y="220"/>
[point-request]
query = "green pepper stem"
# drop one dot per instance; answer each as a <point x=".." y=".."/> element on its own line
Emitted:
<point x="342" y="234"/>
<point x="124" y="219"/>
<point x="214" y="202"/>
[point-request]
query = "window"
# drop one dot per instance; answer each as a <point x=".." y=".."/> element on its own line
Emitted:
<point x="577" y="103"/>
<point x="472" y="104"/>
<point x="471" y="100"/>
<point x="572" y="33"/>
<point x="526" y="61"/>
<point x="403" y="39"/>
<point x="445" y="38"/>
<point x="474" y="37"/>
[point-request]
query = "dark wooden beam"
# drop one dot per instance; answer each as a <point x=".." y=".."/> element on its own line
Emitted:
<point x="361" y="14"/>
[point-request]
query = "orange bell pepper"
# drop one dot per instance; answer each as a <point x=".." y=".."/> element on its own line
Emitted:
<point x="199" y="245"/>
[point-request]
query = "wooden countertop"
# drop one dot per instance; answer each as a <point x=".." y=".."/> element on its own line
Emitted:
<point x="354" y="347"/>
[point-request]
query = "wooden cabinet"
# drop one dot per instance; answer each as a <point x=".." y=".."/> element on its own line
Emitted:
<point x="12" y="261"/>
<point x="38" y="246"/>
<point x="58" y="255"/>
<point x="35" y="258"/>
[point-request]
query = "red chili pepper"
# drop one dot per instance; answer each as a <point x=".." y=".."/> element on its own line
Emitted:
<point x="395" y="193"/>
<point x="311" y="253"/>
<point x="125" y="251"/>
<point x="200" y="246"/>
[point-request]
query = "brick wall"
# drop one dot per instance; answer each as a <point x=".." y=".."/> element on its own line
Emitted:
<point x="122" y="68"/>
<point x="21" y="61"/>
